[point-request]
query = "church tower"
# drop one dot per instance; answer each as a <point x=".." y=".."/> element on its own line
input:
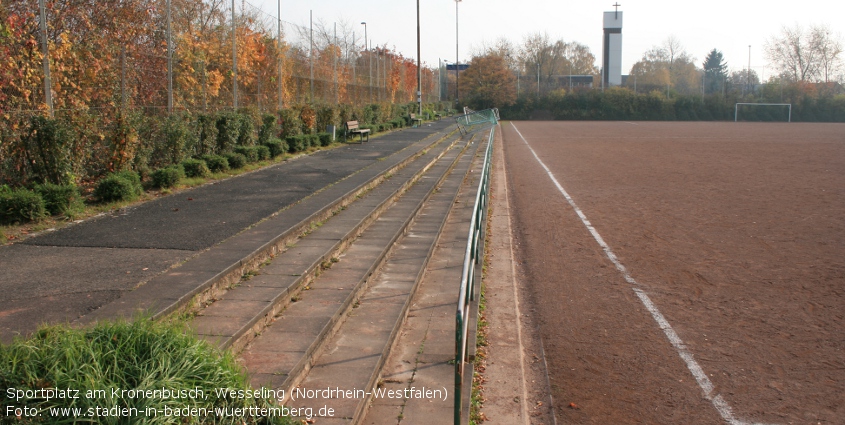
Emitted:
<point x="612" y="50"/>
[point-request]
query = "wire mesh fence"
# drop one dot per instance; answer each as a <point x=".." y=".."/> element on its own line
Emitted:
<point x="114" y="71"/>
<point x="114" y="54"/>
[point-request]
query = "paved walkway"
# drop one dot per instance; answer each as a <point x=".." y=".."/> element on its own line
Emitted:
<point x="66" y="274"/>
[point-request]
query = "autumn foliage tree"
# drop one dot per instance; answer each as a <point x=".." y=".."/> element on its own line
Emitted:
<point x="488" y="83"/>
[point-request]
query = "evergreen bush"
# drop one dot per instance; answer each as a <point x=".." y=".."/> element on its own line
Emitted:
<point x="195" y="168"/>
<point x="262" y="151"/>
<point x="119" y="186"/>
<point x="20" y="206"/>
<point x="267" y="130"/>
<point x="235" y="160"/>
<point x="168" y="176"/>
<point x="291" y="123"/>
<point x="228" y="130"/>
<point x="207" y="135"/>
<point x="60" y="199"/>
<point x="249" y="152"/>
<point x="296" y="143"/>
<point x="276" y="146"/>
<point x="216" y="163"/>
<point x="325" y="139"/>
<point x="48" y="144"/>
<point x="246" y="136"/>
<point x="178" y="137"/>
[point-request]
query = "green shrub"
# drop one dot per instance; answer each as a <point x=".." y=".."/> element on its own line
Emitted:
<point x="228" y="130"/>
<point x="21" y="206"/>
<point x="249" y="152"/>
<point x="133" y="178"/>
<point x="262" y="151"/>
<point x="327" y="115"/>
<point x="290" y="122"/>
<point x="178" y="137"/>
<point x="235" y="160"/>
<point x="119" y="186"/>
<point x="325" y="139"/>
<point x="216" y="163"/>
<point x="207" y="137"/>
<point x="137" y="355"/>
<point x="60" y="199"/>
<point x="267" y="130"/>
<point x="48" y="143"/>
<point x="296" y="143"/>
<point x="195" y="168"/>
<point x="276" y="146"/>
<point x="168" y="176"/>
<point x="246" y="136"/>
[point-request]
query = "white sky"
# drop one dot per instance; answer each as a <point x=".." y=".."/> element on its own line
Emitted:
<point x="730" y="26"/>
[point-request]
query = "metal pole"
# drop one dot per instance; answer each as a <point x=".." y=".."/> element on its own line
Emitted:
<point x="169" y="63"/>
<point x="311" y="54"/>
<point x="370" y="57"/>
<point x="457" y="57"/>
<point x="749" y="69"/>
<point x="234" y="61"/>
<point x="335" y="54"/>
<point x="419" y="70"/>
<point x="279" y="52"/>
<point x="378" y="76"/>
<point x="48" y="92"/>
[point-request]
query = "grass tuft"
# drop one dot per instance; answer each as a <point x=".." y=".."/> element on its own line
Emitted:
<point x="141" y="355"/>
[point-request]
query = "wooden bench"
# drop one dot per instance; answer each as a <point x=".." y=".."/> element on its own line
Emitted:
<point x="437" y="116"/>
<point x="416" y="121"/>
<point x="353" y="128"/>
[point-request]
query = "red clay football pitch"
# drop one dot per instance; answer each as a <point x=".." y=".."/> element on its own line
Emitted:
<point x="695" y="273"/>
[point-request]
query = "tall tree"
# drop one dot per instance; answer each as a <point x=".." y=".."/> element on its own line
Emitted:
<point x="664" y="67"/>
<point x="715" y="71"/>
<point x="806" y="55"/>
<point x="488" y="82"/>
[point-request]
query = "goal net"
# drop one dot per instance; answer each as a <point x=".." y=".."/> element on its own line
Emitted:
<point x="763" y="112"/>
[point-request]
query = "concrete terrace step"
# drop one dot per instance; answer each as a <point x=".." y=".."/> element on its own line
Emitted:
<point x="425" y="347"/>
<point x="202" y="276"/>
<point x="353" y="358"/>
<point x="234" y="318"/>
<point x="286" y="351"/>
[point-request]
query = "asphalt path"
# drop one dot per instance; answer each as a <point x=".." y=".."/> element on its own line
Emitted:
<point x="62" y="275"/>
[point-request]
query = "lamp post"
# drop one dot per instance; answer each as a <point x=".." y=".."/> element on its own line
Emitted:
<point x="457" y="57"/>
<point x="234" y="61"/>
<point x="419" y="70"/>
<point x="370" y="67"/>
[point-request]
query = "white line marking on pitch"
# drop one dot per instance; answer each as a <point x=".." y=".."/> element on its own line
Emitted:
<point x="703" y="381"/>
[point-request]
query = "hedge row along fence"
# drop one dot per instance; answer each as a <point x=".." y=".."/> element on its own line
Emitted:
<point x="44" y="161"/>
<point x="624" y="104"/>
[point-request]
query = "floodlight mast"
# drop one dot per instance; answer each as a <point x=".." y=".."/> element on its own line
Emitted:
<point x="370" y="68"/>
<point x="419" y="70"/>
<point x="457" y="56"/>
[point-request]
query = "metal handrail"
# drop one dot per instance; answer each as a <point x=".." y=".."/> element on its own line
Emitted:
<point x="468" y="276"/>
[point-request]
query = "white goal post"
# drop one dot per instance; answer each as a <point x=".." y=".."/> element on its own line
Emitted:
<point x="736" y="109"/>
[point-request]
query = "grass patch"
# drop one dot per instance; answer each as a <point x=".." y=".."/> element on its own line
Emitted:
<point x="124" y="356"/>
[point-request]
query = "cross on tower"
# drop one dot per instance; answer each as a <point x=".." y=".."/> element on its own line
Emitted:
<point x="616" y="5"/>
